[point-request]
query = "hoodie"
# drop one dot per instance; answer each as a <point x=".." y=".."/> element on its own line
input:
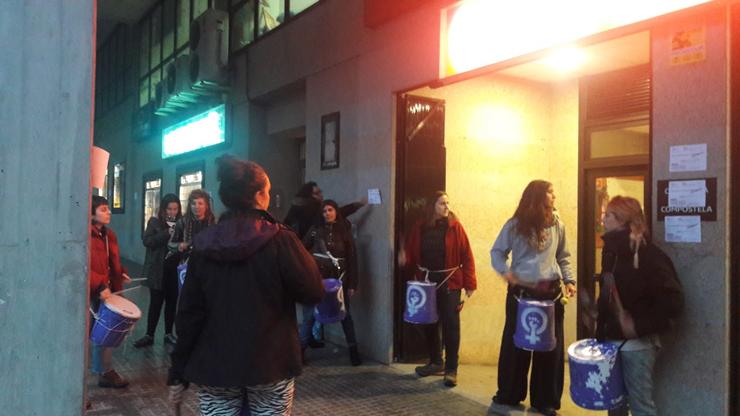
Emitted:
<point x="236" y="319"/>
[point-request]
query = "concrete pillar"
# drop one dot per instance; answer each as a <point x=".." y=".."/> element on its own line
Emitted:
<point x="690" y="107"/>
<point x="46" y="90"/>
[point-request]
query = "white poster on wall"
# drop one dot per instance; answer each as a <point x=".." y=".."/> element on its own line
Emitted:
<point x="683" y="229"/>
<point x="373" y="196"/>
<point x="687" y="193"/>
<point x="688" y="158"/>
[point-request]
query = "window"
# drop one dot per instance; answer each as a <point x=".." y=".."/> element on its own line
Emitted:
<point x="144" y="48"/>
<point x="152" y="196"/>
<point x="183" y="23"/>
<point x="168" y="28"/>
<point x="199" y="6"/>
<point x="297" y="6"/>
<point x="242" y="27"/>
<point x="156" y="52"/>
<point x="102" y="192"/>
<point x="270" y="14"/>
<point x="186" y="183"/>
<point x="119" y="176"/>
<point x="626" y="140"/>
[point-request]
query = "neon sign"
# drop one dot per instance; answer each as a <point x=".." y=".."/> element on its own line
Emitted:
<point x="204" y="130"/>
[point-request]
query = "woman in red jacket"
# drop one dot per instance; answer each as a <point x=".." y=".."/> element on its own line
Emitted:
<point x="106" y="275"/>
<point x="439" y="244"/>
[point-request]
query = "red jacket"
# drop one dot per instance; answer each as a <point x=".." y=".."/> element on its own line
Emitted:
<point x="457" y="253"/>
<point x="105" y="262"/>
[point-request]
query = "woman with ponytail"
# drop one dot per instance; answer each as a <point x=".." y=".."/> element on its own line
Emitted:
<point x="640" y="295"/>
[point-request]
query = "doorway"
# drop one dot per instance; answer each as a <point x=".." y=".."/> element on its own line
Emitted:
<point x="420" y="171"/>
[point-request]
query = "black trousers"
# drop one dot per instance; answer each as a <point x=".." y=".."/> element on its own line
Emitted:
<point x="546" y="383"/>
<point x="447" y="328"/>
<point x="167" y="297"/>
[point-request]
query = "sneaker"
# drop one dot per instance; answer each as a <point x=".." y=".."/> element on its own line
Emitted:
<point x="430" y="369"/>
<point x="354" y="357"/>
<point x="450" y="378"/>
<point x="144" y="341"/>
<point x="501" y="407"/>
<point x="546" y="411"/>
<point x="112" y="379"/>
<point x="170" y="339"/>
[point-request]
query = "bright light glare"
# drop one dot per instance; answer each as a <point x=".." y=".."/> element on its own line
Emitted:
<point x="483" y="32"/>
<point x="203" y="130"/>
<point x="566" y="59"/>
<point x="489" y="123"/>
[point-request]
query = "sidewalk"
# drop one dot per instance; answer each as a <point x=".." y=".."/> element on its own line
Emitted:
<point x="328" y="386"/>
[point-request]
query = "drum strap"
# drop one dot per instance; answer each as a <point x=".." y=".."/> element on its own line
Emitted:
<point x="449" y="272"/>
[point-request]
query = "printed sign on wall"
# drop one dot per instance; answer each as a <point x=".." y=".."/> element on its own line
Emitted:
<point x="688" y="46"/>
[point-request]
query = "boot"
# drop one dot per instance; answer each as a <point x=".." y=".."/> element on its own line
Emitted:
<point x="144" y="341"/>
<point x="430" y="369"/>
<point x="450" y="378"/>
<point x="354" y="356"/>
<point x="111" y="379"/>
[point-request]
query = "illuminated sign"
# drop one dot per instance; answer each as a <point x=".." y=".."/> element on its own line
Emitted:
<point x="484" y="32"/>
<point x="204" y="130"/>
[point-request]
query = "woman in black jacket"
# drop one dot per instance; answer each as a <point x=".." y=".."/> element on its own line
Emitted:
<point x="333" y="238"/>
<point x="640" y="295"/>
<point x="161" y="280"/>
<point x="236" y="318"/>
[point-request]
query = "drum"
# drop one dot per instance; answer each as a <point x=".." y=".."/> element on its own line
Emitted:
<point x="535" y="325"/>
<point x="115" y="317"/>
<point x="182" y="271"/>
<point x="331" y="309"/>
<point x="421" y="302"/>
<point x="596" y="381"/>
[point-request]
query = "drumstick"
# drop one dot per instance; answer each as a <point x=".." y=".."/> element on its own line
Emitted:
<point x="138" y="279"/>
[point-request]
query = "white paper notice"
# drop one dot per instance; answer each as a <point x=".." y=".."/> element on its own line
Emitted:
<point x="687" y="193"/>
<point x="688" y="158"/>
<point x="683" y="229"/>
<point x="373" y="196"/>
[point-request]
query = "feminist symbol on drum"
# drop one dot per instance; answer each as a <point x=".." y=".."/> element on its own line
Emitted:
<point x="415" y="299"/>
<point x="534" y="321"/>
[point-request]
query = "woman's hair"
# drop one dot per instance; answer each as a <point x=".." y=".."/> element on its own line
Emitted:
<point x="200" y="194"/>
<point x="333" y="204"/>
<point x="429" y="209"/>
<point x="98" y="201"/>
<point x="240" y="180"/>
<point x="166" y="201"/>
<point x="533" y="215"/>
<point x="627" y="210"/>
<point x="306" y="190"/>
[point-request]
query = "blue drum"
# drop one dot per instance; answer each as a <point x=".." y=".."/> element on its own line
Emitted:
<point x="331" y="309"/>
<point x="421" y="302"/>
<point x="596" y="381"/>
<point x="113" y="321"/>
<point x="182" y="271"/>
<point x="535" y="325"/>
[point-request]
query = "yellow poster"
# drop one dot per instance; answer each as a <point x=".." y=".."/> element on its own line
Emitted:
<point x="688" y="46"/>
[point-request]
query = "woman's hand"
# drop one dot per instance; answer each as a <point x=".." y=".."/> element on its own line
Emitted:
<point x="182" y="247"/>
<point x="511" y="279"/>
<point x="570" y="290"/>
<point x="105" y="294"/>
<point x="126" y="278"/>
<point x="402" y="258"/>
<point x="350" y="292"/>
<point x="469" y="292"/>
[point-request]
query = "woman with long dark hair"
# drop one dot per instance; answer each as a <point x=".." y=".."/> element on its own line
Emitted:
<point x="333" y="247"/>
<point x="640" y="295"/>
<point x="161" y="280"/>
<point x="438" y="247"/>
<point x="540" y="261"/>
<point x="236" y="320"/>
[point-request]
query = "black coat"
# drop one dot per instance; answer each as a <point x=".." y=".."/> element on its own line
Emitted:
<point x="337" y="239"/>
<point x="236" y="320"/>
<point x="155" y="240"/>
<point x="652" y="294"/>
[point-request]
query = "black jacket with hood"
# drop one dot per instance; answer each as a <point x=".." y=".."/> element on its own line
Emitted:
<point x="652" y="293"/>
<point x="236" y="319"/>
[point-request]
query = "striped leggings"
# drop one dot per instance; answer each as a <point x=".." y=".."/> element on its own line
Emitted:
<point x="263" y="400"/>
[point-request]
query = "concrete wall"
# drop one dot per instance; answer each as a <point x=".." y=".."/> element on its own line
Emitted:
<point x="501" y="133"/>
<point x="45" y="199"/>
<point x="690" y="106"/>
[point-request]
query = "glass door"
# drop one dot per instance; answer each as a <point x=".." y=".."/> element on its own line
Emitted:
<point x="601" y="186"/>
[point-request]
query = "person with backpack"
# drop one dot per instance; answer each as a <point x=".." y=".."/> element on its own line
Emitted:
<point x="640" y="296"/>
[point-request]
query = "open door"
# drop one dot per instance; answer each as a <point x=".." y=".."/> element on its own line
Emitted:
<point x="420" y="170"/>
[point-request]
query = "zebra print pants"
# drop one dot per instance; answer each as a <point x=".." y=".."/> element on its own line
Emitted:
<point x="263" y="400"/>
